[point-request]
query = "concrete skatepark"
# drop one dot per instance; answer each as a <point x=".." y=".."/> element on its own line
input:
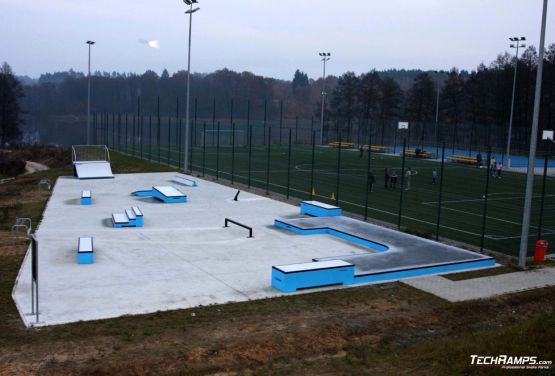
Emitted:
<point x="183" y="256"/>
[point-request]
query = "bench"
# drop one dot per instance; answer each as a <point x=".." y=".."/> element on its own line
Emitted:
<point x="85" y="252"/>
<point x="132" y="217"/>
<point x="337" y="144"/>
<point x="185" y="181"/>
<point x="44" y="183"/>
<point x="375" y="148"/>
<point x="292" y="277"/>
<point x="463" y="159"/>
<point x="419" y="153"/>
<point x="86" y="198"/>
<point x="319" y="209"/>
<point x="21" y="224"/>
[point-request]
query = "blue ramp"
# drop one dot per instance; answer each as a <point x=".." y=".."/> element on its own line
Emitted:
<point x="166" y="194"/>
<point x="392" y="254"/>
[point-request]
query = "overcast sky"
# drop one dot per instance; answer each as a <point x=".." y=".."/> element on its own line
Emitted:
<point x="270" y="38"/>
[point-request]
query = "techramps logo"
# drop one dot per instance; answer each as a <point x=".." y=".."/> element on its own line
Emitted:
<point x="510" y="362"/>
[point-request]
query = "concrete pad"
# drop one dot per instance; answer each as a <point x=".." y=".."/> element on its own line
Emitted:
<point x="183" y="256"/>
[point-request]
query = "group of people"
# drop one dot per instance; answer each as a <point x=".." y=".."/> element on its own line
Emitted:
<point x="495" y="168"/>
<point x="390" y="179"/>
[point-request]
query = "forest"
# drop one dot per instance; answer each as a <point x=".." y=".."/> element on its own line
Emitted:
<point x="458" y="107"/>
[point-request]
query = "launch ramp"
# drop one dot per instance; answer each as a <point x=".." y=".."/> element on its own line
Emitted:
<point x="91" y="162"/>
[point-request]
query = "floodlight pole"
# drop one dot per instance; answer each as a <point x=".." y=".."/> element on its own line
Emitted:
<point x="532" y="155"/>
<point x="190" y="13"/>
<point x="90" y="43"/>
<point x="325" y="57"/>
<point x="517" y="45"/>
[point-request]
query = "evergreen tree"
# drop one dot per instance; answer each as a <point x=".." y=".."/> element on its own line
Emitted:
<point x="421" y="104"/>
<point x="300" y="80"/>
<point x="10" y="94"/>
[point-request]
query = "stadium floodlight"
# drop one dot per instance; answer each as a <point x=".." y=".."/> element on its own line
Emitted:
<point x="325" y="57"/>
<point x="90" y="43"/>
<point x="517" y="45"/>
<point x="190" y="12"/>
<point x="523" y="251"/>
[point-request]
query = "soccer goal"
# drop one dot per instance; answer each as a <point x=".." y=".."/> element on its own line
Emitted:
<point x="223" y="137"/>
<point x="90" y="153"/>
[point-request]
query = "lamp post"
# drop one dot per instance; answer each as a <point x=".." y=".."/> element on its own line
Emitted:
<point x="190" y="12"/>
<point x="325" y="57"/>
<point x="516" y="45"/>
<point x="90" y="43"/>
<point x="532" y="154"/>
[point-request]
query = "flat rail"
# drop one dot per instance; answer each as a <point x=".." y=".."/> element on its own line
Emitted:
<point x="227" y="221"/>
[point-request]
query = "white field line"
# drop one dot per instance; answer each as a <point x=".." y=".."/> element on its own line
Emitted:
<point x="369" y="208"/>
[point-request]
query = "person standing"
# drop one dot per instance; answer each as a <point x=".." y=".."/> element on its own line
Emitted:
<point x="408" y="177"/>
<point x="393" y="179"/>
<point x="498" y="169"/>
<point x="371" y="181"/>
<point x="386" y="184"/>
<point x="492" y="166"/>
<point x="434" y="176"/>
<point x="479" y="160"/>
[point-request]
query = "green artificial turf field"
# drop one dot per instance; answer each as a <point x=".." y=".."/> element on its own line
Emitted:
<point x="463" y="204"/>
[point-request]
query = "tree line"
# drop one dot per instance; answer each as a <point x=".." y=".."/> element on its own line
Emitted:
<point x="470" y="107"/>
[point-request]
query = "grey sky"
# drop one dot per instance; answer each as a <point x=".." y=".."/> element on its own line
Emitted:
<point x="269" y="38"/>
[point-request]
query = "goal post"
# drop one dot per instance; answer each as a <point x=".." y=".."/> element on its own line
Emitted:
<point x="226" y="137"/>
<point x="90" y="153"/>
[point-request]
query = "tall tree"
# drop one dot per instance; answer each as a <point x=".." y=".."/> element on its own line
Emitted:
<point x="452" y="102"/>
<point x="390" y="103"/>
<point x="10" y="94"/>
<point x="345" y="99"/>
<point x="300" y="80"/>
<point x="421" y="104"/>
<point x="370" y="96"/>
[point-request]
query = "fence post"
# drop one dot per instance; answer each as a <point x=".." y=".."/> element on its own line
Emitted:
<point x="141" y="135"/>
<point x="545" y="162"/>
<point x="296" y="130"/>
<point x="265" y="118"/>
<point x="368" y="172"/>
<point x="140" y="126"/>
<point x="169" y="139"/>
<point x="213" y="117"/>
<point x="402" y="185"/>
<point x="289" y="165"/>
<point x="485" y="208"/>
<point x="311" y="190"/>
<point x="231" y="114"/>
<point x="191" y="132"/>
<point x="179" y="125"/>
<point x="150" y="137"/>
<point x="119" y="131"/>
<point x="280" y="119"/>
<point x="203" y="148"/>
<point x="249" y="130"/>
<point x="126" y="134"/>
<point x="218" y="152"/>
<point x="338" y="179"/>
<point x="232" y="153"/>
<point x="158" y="133"/>
<point x="133" y="137"/>
<point x="268" y="161"/>
<point x="440" y="198"/>
<point x="113" y="129"/>
<point x="195" y="133"/>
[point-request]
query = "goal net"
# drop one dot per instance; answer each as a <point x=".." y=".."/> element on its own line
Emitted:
<point x="223" y="138"/>
<point x="89" y="153"/>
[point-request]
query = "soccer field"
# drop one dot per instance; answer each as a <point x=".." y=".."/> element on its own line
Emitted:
<point x="462" y="201"/>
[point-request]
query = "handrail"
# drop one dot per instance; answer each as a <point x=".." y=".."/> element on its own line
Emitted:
<point x="227" y="220"/>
